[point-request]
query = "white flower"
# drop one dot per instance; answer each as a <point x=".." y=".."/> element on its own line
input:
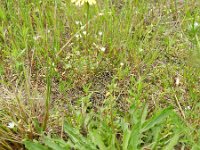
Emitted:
<point x="11" y="125"/>
<point x="77" y="22"/>
<point x="141" y="50"/>
<point x="121" y="64"/>
<point x="103" y="49"/>
<point x="101" y="14"/>
<point x="81" y="2"/>
<point x="100" y="33"/>
<point x="84" y="32"/>
<point x="196" y="24"/>
<point x="36" y="37"/>
<point x="82" y="27"/>
<point x="177" y="81"/>
<point x="188" y="108"/>
<point x="78" y="36"/>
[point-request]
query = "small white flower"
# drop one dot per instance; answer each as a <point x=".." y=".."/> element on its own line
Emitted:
<point x="100" y="33"/>
<point x="77" y="22"/>
<point x="82" y="27"/>
<point x="84" y="32"/>
<point x="103" y="49"/>
<point x="71" y="44"/>
<point x="48" y="31"/>
<point x="177" y="81"/>
<point x="101" y="14"/>
<point x="78" y="36"/>
<point x="121" y="64"/>
<point x="196" y="24"/>
<point x="141" y="50"/>
<point x="11" y="125"/>
<point x="36" y="37"/>
<point x="188" y="108"/>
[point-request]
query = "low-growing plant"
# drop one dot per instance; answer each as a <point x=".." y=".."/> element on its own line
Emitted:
<point x="137" y="133"/>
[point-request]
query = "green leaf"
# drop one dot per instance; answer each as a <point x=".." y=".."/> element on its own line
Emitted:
<point x="77" y="138"/>
<point x="156" y="119"/>
<point x="173" y="142"/>
<point x="135" y="137"/>
<point x="156" y="136"/>
<point x="30" y="145"/>
<point x="196" y="147"/>
<point x="113" y="141"/>
<point x="52" y="144"/>
<point x="37" y="125"/>
<point x="126" y="137"/>
<point x="63" y="143"/>
<point x="2" y="14"/>
<point x="144" y="114"/>
<point x="97" y="139"/>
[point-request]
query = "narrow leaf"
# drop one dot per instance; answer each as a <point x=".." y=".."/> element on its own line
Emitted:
<point x="77" y="138"/>
<point x="126" y="138"/>
<point x="144" y="113"/>
<point x="34" y="146"/>
<point x="156" y="119"/>
<point x="51" y="144"/>
<point x="135" y="137"/>
<point x="97" y="139"/>
<point x="173" y="142"/>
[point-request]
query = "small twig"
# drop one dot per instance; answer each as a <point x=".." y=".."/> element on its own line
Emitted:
<point x="180" y="108"/>
<point x="62" y="129"/>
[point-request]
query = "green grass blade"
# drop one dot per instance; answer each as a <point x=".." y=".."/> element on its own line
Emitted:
<point x="135" y="137"/>
<point x="174" y="140"/>
<point x="97" y="139"/>
<point x="52" y="144"/>
<point x="77" y="138"/>
<point x="195" y="147"/>
<point x="144" y="114"/>
<point x="126" y="137"/>
<point x="156" y="119"/>
<point x="34" y="146"/>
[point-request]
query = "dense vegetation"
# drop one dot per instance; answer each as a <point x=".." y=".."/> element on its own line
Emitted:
<point x="118" y="74"/>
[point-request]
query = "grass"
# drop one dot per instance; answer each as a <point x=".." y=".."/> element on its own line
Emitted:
<point x="115" y="75"/>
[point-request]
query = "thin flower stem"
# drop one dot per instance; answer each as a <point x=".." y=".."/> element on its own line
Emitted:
<point x="69" y="41"/>
<point x="87" y="37"/>
<point x="46" y="117"/>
